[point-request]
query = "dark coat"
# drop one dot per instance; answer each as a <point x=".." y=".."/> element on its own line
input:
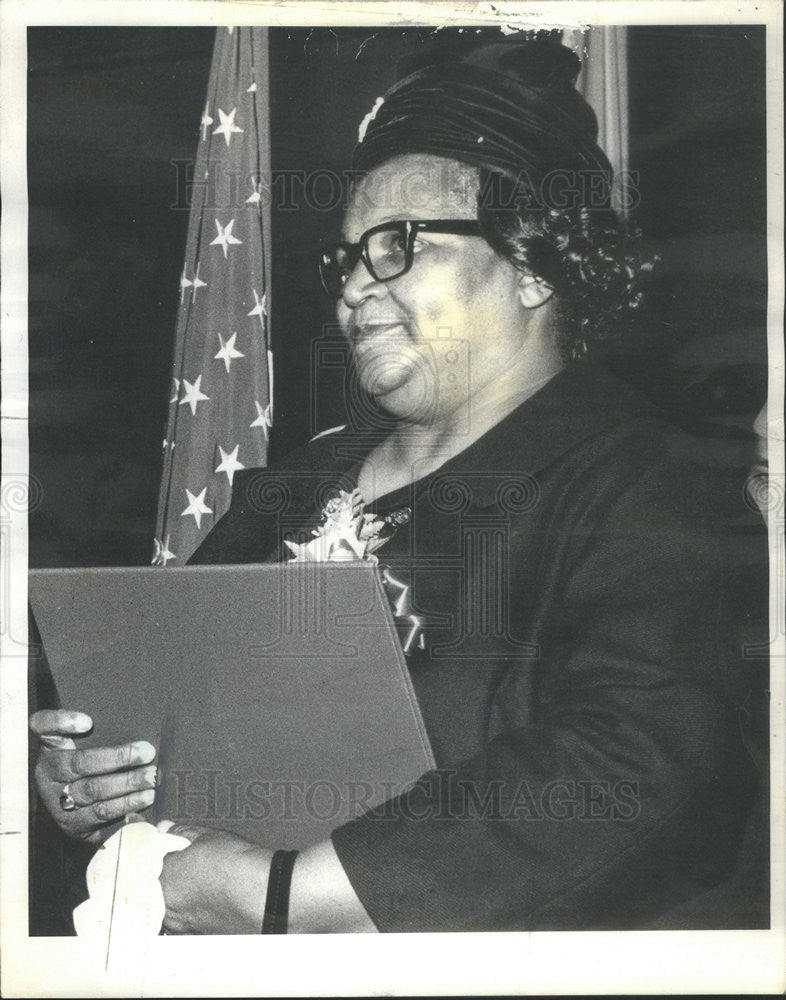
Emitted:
<point x="582" y="569"/>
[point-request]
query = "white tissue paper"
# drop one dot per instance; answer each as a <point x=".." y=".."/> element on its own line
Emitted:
<point x="126" y="900"/>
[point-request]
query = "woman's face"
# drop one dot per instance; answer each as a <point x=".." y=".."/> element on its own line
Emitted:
<point x="428" y="341"/>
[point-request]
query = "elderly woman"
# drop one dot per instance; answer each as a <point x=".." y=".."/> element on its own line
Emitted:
<point x="565" y="548"/>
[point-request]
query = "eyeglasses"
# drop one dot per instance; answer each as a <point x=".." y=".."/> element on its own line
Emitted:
<point x="387" y="251"/>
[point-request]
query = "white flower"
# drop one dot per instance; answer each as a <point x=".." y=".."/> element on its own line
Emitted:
<point x="347" y="534"/>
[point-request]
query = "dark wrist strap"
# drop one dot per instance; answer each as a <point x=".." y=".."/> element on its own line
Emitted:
<point x="279" y="883"/>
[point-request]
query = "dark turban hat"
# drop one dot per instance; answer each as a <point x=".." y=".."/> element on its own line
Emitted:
<point x="509" y="106"/>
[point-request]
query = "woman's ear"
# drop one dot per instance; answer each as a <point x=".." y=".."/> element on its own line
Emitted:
<point x="533" y="291"/>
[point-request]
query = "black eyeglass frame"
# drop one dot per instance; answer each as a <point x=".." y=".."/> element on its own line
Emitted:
<point x="408" y="228"/>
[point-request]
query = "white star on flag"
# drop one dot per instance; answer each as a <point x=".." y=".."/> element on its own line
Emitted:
<point x="263" y="418"/>
<point x="225" y="236"/>
<point x="193" y="394"/>
<point x="228" y="352"/>
<point x="260" y="309"/>
<point x="229" y="463"/>
<point x="206" y="120"/>
<point x="256" y="197"/>
<point x="252" y="89"/>
<point x="161" y="553"/>
<point x="184" y="284"/>
<point x="165" y="555"/>
<point x="227" y="127"/>
<point x="177" y="390"/>
<point x="197" y="283"/>
<point x="197" y="506"/>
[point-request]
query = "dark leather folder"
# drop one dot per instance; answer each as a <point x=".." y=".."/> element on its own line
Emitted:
<point x="277" y="695"/>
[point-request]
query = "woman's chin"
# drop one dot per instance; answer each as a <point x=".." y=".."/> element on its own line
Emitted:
<point x="401" y="382"/>
<point x="410" y="400"/>
<point x="385" y="379"/>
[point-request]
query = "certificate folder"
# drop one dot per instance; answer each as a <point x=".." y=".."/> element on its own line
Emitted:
<point x="277" y="695"/>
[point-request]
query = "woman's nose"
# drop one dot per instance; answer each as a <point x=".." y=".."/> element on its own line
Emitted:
<point x="361" y="285"/>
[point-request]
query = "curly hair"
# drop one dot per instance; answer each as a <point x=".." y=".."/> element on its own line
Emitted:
<point x="596" y="264"/>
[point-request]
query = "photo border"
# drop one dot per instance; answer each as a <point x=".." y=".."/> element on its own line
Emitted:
<point x="397" y="964"/>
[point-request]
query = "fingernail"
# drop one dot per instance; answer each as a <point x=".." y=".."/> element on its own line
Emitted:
<point x="145" y="751"/>
<point x="147" y="797"/>
<point x="152" y="776"/>
<point x="56" y="742"/>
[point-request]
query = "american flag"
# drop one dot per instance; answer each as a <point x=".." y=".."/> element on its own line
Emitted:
<point x="220" y="411"/>
<point x="603" y="82"/>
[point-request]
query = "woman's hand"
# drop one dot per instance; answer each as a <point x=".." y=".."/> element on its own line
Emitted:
<point x="215" y="886"/>
<point x="218" y="885"/>
<point x="105" y="783"/>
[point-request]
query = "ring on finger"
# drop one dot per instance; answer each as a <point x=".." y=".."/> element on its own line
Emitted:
<point x="67" y="803"/>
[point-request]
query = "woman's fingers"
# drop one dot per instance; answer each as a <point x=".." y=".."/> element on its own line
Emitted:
<point x="60" y="722"/>
<point x="187" y="830"/>
<point x="103" y="788"/>
<point x="57" y="742"/>
<point x="88" y="789"/>
<point x="109" y="810"/>
<point x="71" y="765"/>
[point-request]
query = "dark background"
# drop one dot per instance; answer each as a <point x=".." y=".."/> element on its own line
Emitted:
<point x="111" y="108"/>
